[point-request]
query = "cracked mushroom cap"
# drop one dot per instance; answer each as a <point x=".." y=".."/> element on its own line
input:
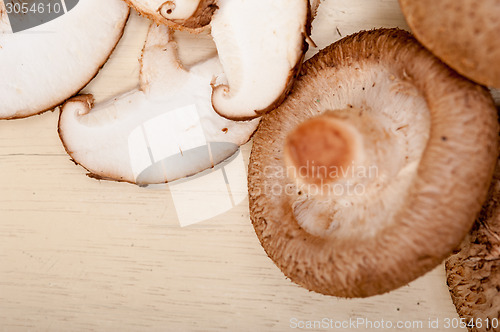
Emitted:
<point x="164" y="131"/>
<point x="190" y="15"/>
<point x="375" y="167"/>
<point x="473" y="271"/>
<point x="462" y="33"/>
<point x="45" y="65"/>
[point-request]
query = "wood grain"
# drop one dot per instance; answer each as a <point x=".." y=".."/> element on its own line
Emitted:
<point x="77" y="254"/>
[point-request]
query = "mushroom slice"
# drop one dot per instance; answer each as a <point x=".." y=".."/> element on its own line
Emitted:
<point x="191" y="15"/>
<point x="164" y="131"/>
<point x="473" y="271"/>
<point x="462" y="33"/>
<point x="43" y="66"/>
<point x="261" y="46"/>
<point x="373" y="169"/>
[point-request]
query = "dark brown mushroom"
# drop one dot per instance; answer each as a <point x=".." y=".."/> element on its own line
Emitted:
<point x="386" y="102"/>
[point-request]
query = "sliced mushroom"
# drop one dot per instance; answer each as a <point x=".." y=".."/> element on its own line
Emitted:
<point x="45" y="65"/>
<point x="473" y="271"/>
<point x="373" y="169"/>
<point x="191" y="15"/>
<point x="462" y="33"/>
<point x="261" y="45"/>
<point x="163" y="131"/>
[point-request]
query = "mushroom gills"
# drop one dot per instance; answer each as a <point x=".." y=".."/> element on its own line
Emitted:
<point x="43" y="66"/>
<point x="164" y="131"/>
<point x="384" y="101"/>
<point x="387" y="125"/>
<point x="261" y="45"/>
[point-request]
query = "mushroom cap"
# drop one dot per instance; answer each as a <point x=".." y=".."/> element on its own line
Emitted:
<point x="435" y="149"/>
<point x="47" y="64"/>
<point x="164" y="131"/>
<point x="473" y="271"/>
<point x="463" y="34"/>
<point x="193" y="16"/>
<point x="261" y="46"/>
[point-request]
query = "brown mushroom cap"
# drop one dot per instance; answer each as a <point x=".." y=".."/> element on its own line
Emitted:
<point x="436" y="140"/>
<point x="462" y="33"/>
<point x="473" y="271"/>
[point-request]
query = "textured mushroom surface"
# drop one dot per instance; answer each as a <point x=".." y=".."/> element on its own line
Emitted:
<point x="261" y="45"/>
<point x="163" y="131"/>
<point x="462" y="33"/>
<point x="474" y="270"/>
<point x="43" y="66"/>
<point x="191" y="15"/>
<point x="423" y="140"/>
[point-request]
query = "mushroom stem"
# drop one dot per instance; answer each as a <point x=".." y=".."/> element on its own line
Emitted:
<point x="321" y="150"/>
<point x="179" y="9"/>
<point x="167" y="8"/>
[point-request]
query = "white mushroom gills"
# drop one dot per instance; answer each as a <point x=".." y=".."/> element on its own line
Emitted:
<point x="353" y="166"/>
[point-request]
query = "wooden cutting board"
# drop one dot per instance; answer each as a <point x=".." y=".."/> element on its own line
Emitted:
<point x="77" y="254"/>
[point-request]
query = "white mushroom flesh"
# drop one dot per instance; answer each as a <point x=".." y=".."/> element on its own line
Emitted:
<point x="260" y="42"/>
<point x="43" y="66"/>
<point x="164" y="131"/>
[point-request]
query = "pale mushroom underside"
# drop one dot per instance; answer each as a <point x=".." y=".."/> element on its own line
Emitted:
<point x="433" y="158"/>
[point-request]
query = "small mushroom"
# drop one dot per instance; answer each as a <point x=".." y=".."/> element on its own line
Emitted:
<point x="374" y="168"/>
<point x="473" y="271"/>
<point x="45" y="65"/>
<point x="164" y="131"/>
<point x="462" y="33"/>
<point x="261" y="45"/>
<point x="190" y="15"/>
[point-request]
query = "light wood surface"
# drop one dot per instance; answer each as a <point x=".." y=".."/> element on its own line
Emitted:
<point x="77" y="254"/>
